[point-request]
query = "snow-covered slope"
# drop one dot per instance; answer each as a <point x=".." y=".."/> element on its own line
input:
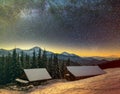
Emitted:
<point x="108" y="83"/>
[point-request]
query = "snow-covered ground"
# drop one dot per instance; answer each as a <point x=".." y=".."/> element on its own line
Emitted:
<point x="4" y="91"/>
<point x="108" y="83"/>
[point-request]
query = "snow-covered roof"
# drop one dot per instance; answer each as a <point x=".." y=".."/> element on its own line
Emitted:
<point x="22" y="81"/>
<point x="81" y="71"/>
<point x="37" y="74"/>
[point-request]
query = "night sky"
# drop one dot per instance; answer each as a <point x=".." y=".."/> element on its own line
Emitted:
<point x="78" y="31"/>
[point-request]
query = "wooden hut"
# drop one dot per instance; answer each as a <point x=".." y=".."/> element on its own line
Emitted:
<point x="80" y="72"/>
<point x="34" y="76"/>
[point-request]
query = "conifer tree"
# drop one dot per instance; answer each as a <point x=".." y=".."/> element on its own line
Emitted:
<point x="1" y="73"/>
<point x="34" y="65"/>
<point x="56" y="67"/>
<point x="3" y="58"/>
<point x="44" y="60"/>
<point x="22" y="60"/>
<point x="2" y="70"/>
<point x="15" y="67"/>
<point x="50" y="66"/>
<point x="27" y="61"/>
<point x="63" y="69"/>
<point x="68" y="62"/>
<point x="8" y="68"/>
<point x="39" y="60"/>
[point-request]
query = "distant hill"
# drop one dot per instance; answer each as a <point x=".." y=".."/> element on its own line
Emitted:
<point x="110" y="64"/>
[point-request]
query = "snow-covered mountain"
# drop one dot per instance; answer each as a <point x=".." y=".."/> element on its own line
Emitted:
<point x="62" y="56"/>
<point x="67" y="54"/>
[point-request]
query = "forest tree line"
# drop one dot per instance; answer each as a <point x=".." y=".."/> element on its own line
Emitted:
<point x="12" y="65"/>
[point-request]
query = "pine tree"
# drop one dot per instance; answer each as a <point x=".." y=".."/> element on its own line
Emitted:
<point x="44" y="60"/>
<point x="63" y="69"/>
<point x="20" y="70"/>
<point x="34" y="65"/>
<point x="27" y="61"/>
<point x="22" y="60"/>
<point x="3" y="58"/>
<point x="68" y="62"/>
<point x="2" y="70"/>
<point x="50" y="66"/>
<point x="8" y="68"/>
<point x="15" y="67"/>
<point x="1" y="73"/>
<point x="56" y="67"/>
<point x="39" y="60"/>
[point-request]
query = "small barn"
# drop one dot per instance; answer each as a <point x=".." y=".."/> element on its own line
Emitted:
<point x="81" y="72"/>
<point x="34" y="76"/>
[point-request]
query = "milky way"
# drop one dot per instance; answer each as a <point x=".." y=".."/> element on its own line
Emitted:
<point x="84" y="31"/>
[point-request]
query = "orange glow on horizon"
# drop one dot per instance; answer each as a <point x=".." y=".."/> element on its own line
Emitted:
<point x="81" y="52"/>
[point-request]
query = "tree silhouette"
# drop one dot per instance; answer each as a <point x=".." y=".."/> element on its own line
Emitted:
<point x="33" y="64"/>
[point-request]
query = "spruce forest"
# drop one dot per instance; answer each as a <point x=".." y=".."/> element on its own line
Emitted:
<point x="12" y="65"/>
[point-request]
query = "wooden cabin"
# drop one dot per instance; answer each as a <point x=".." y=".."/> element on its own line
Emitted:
<point x="34" y="76"/>
<point x="81" y="72"/>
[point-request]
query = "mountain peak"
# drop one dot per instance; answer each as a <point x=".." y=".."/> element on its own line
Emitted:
<point x="67" y="54"/>
<point x="35" y="48"/>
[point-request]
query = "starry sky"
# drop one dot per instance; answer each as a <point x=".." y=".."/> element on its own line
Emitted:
<point x="80" y="32"/>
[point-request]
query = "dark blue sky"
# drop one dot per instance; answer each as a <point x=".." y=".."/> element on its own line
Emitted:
<point x="93" y="32"/>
